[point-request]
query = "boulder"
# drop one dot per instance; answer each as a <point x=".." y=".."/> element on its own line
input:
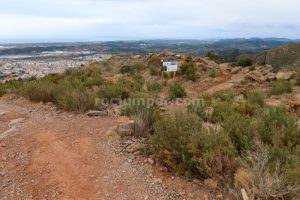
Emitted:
<point x="225" y="67"/>
<point x="167" y="53"/>
<point x="236" y="70"/>
<point x="125" y="129"/>
<point x="151" y="161"/>
<point x="212" y="183"/>
<point x="97" y="113"/>
<point x="244" y="194"/>
<point x="125" y="126"/>
<point x="137" y="56"/>
<point x="188" y="58"/>
<point x="257" y="76"/>
<point x="10" y="132"/>
<point x="197" y="60"/>
<point x="221" y="87"/>
<point x="211" y="63"/>
<point x="295" y="105"/>
<point x="3" y="113"/>
<point x="16" y="121"/>
<point x="240" y="99"/>
<point x="270" y="76"/>
<point x="204" y="66"/>
<point x="285" y="75"/>
<point x="245" y="70"/>
<point x="267" y="71"/>
<point x="274" y="102"/>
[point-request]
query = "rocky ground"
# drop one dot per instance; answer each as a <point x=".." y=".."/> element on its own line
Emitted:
<point x="46" y="154"/>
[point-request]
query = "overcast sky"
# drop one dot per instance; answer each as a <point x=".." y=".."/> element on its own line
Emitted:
<point x="95" y="20"/>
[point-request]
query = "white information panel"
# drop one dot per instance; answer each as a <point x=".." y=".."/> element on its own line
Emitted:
<point x="169" y="65"/>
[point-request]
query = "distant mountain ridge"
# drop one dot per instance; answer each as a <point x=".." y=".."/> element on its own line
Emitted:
<point x="229" y="49"/>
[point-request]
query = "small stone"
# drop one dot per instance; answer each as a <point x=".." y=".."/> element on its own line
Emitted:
<point x="146" y="197"/>
<point x="97" y="113"/>
<point x="158" y="180"/>
<point x="211" y="183"/>
<point x="3" y="113"/>
<point x="16" y="121"/>
<point x="235" y="70"/>
<point x="2" y="173"/>
<point x="163" y="169"/>
<point x="205" y="197"/>
<point x="151" y="161"/>
<point x="285" y="75"/>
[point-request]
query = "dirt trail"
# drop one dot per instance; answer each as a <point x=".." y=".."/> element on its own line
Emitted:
<point x="51" y="155"/>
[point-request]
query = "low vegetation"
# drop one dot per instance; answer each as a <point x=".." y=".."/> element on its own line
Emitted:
<point x="244" y="62"/>
<point x="154" y="87"/>
<point x="10" y="86"/>
<point x="132" y="69"/>
<point x="281" y="87"/>
<point x="212" y="73"/>
<point x="176" y="90"/>
<point x="230" y="137"/>
<point x="192" y="143"/>
<point x="188" y="71"/>
<point x="214" y="56"/>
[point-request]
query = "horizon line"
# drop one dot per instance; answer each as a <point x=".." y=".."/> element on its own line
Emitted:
<point x="137" y="40"/>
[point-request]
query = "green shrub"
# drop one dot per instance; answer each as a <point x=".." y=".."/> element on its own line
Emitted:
<point x="138" y="82"/>
<point x="10" y="86"/>
<point x="227" y="95"/>
<point x="187" y="148"/>
<point x="171" y="140"/>
<point x="113" y="91"/>
<point x="214" y="56"/>
<point x="154" y="71"/>
<point x="154" y="87"/>
<point x="166" y="75"/>
<point x="239" y="129"/>
<point x="144" y="120"/>
<point x="77" y="100"/>
<point x="154" y="61"/>
<point x="127" y="69"/>
<point x="143" y="114"/>
<point x="212" y="73"/>
<point x="189" y="71"/>
<point x="278" y="129"/>
<point x="244" y="62"/>
<point x="176" y="90"/>
<point x="39" y="91"/>
<point x="132" y="68"/>
<point x="200" y="110"/>
<point x="255" y="97"/>
<point x="221" y="110"/>
<point x="298" y="78"/>
<point x="70" y="91"/>
<point x="252" y="68"/>
<point x="123" y="88"/>
<point x="280" y="87"/>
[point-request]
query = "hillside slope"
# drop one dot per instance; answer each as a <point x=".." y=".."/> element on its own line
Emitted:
<point x="281" y="57"/>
